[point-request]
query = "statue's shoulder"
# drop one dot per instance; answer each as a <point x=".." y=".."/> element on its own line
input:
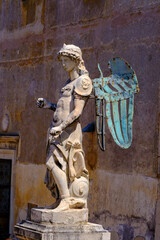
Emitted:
<point x="83" y="85"/>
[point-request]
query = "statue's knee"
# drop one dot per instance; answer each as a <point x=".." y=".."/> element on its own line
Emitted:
<point x="50" y="163"/>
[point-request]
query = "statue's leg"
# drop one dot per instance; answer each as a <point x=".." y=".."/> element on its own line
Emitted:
<point x="59" y="176"/>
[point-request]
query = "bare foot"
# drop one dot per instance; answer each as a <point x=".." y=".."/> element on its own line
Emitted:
<point x="70" y="203"/>
<point x="64" y="205"/>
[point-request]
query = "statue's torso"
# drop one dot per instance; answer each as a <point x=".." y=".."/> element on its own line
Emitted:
<point x="65" y="104"/>
<point x="82" y="86"/>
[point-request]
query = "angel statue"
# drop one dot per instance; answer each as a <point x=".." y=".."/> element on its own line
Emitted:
<point x="67" y="176"/>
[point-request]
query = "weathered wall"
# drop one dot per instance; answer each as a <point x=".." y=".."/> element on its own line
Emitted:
<point x="124" y="183"/>
<point x="30" y="188"/>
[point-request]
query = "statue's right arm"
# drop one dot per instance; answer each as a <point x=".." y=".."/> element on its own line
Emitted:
<point x="42" y="103"/>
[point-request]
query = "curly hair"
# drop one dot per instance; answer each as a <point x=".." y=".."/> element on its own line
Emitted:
<point x="68" y="51"/>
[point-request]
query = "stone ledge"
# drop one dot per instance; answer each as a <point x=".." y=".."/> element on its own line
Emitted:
<point x="35" y="231"/>
<point x="72" y="216"/>
<point x="9" y="138"/>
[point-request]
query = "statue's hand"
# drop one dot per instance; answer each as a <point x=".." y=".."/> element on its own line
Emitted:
<point x="56" y="131"/>
<point x="42" y="103"/>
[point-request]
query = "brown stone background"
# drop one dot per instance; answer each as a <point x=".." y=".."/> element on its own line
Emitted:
<point x="124" y="184"/>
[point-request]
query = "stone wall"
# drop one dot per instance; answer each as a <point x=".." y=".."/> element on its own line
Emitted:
<point x="123" y="183"/>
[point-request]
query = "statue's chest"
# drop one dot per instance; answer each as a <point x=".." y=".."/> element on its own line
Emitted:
<point x="66" y="96"/>
<point x="67" y="91"/>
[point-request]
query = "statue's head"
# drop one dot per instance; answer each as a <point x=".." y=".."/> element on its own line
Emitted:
<point x="75" y="54"/>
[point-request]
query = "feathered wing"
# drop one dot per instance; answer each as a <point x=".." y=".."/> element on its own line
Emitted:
<point x="118" y="91"/>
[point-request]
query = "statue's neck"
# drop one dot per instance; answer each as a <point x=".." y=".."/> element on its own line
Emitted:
<point x="73" y="74"/>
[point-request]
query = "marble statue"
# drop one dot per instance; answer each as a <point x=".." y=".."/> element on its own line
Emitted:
<point x="67" y="176"/>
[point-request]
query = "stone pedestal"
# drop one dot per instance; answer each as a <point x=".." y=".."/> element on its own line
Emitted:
<point x="49" y="225"/>
<point x="72" y="216"/>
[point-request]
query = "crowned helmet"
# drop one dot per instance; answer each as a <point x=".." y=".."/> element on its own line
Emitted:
<point x="70" y="50"/>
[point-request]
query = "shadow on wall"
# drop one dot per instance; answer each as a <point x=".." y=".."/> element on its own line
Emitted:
<point x="115" y="236"/>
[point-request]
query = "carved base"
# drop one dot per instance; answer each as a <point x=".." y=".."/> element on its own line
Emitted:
<point x="35" y="231"/>
<point x="72" y="216"/>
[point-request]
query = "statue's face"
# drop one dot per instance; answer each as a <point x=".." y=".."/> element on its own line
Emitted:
<point x="68" y="63"/>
